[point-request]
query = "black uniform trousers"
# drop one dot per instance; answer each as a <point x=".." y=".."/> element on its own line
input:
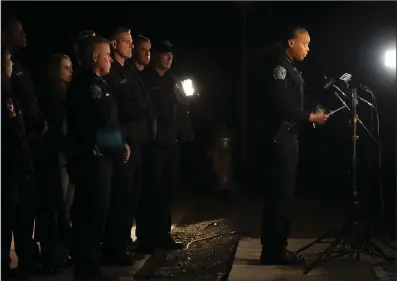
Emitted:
<point x="90" y="211"/>
<point x="52" y="224"/>
<point x="17" y="217"/>
<point x="160" y="179"/>
<point x="125" y="197"/>
<point x="279" y="195"/>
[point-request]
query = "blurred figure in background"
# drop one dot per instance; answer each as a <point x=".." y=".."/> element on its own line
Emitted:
<point x="17" y="176"/>
<point x="14" y="38"/>
<point x="55" y="195"/>
<point x="83" y="34"/>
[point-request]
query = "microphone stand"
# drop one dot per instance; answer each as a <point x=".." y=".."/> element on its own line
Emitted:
<point x="355" y="235"/>
<point x="354" y="92"/>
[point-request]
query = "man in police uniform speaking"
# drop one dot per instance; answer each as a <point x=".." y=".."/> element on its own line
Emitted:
<point x="288" y="114"/>
<point x="98" y="146"/>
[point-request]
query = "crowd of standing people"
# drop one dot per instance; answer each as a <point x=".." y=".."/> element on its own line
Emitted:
<point x="89" y="149"/>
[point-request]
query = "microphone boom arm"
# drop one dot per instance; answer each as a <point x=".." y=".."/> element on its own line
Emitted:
<point x="336" y="110"/>
<point x="365" y="101"/>
<point x="358" y="119"/>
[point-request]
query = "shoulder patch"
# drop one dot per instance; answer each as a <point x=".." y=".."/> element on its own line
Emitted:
<point x="96" y="92"/>
<point x="279" y="73"/>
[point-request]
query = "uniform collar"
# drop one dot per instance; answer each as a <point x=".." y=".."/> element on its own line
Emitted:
<point x="92" y="74"/>
<point x="116" y="64"/>
<point x="154" y="72"/>
<point x="287" y="59"/>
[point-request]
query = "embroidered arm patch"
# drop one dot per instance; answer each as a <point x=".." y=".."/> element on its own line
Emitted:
<point x="279" y="73"/>
<point x="96" y="92"/>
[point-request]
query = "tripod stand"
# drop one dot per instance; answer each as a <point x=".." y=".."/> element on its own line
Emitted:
<point x="356" y="234"/>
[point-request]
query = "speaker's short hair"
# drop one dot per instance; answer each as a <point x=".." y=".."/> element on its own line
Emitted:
<point x="291" y="32"/>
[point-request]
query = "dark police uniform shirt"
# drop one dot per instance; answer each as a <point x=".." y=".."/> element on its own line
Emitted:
<point x="173" y="123"/>
<point x="52" y="104"/>
<point x="92" y="117"/>
<point x="133" y="103"/>
<point x="287" y="94"/>
<point x="24" y="90"/>
<point x="16" y="154"/>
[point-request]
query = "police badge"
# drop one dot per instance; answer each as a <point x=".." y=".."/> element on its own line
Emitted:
<point x="279" y="73"/>
<point x="96" y="92"/>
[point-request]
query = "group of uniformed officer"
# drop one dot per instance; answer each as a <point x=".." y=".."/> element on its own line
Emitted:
<point x="125" y="120"/>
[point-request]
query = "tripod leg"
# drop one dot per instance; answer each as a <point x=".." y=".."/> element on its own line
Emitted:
<point x="324" y="255"/>
<point x="371" y="252"/>
<point x="387" y="244"/>
<point x="342" y="252"/>
<point x="380" y="251"/>
<point x="343" y="243"/>
<point x="318" y="240"/>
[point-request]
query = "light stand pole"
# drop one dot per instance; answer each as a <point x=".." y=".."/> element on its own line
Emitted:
<point x="390" y="62"/>
<point x="244" y="84"/>
<point x="356" y="201"/>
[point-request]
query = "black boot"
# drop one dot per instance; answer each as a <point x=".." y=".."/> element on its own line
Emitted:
<point x="283" y="257"/>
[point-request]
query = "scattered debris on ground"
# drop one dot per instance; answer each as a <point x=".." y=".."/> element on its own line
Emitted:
<point x="211" y="246"/>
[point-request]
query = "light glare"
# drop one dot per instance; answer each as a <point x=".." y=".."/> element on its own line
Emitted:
<point x="188" y="88"/>
<point x="390" y="59"/>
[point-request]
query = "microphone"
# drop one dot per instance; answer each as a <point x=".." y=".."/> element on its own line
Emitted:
<point x="346" y="78"/>
<point x="330" y="82"/>
<point x="365" y="88"/>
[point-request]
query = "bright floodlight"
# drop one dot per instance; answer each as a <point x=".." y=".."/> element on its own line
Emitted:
<point x="188" y="88"/>
<point x="390" y="59"/>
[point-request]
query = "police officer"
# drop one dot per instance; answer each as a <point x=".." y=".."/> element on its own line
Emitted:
<point x="142" y="52"/>
<point x="135" y="115"/>
<point x="14" y="39"/>
<point x="94" y="131"/>
<point x="287" y="98"/>
<point x="83" y="34"/>
<point x="17" y="171"/>
<point x="161" y="170"/>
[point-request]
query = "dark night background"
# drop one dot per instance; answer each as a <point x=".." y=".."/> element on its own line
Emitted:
<point x="346" y="37"/>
